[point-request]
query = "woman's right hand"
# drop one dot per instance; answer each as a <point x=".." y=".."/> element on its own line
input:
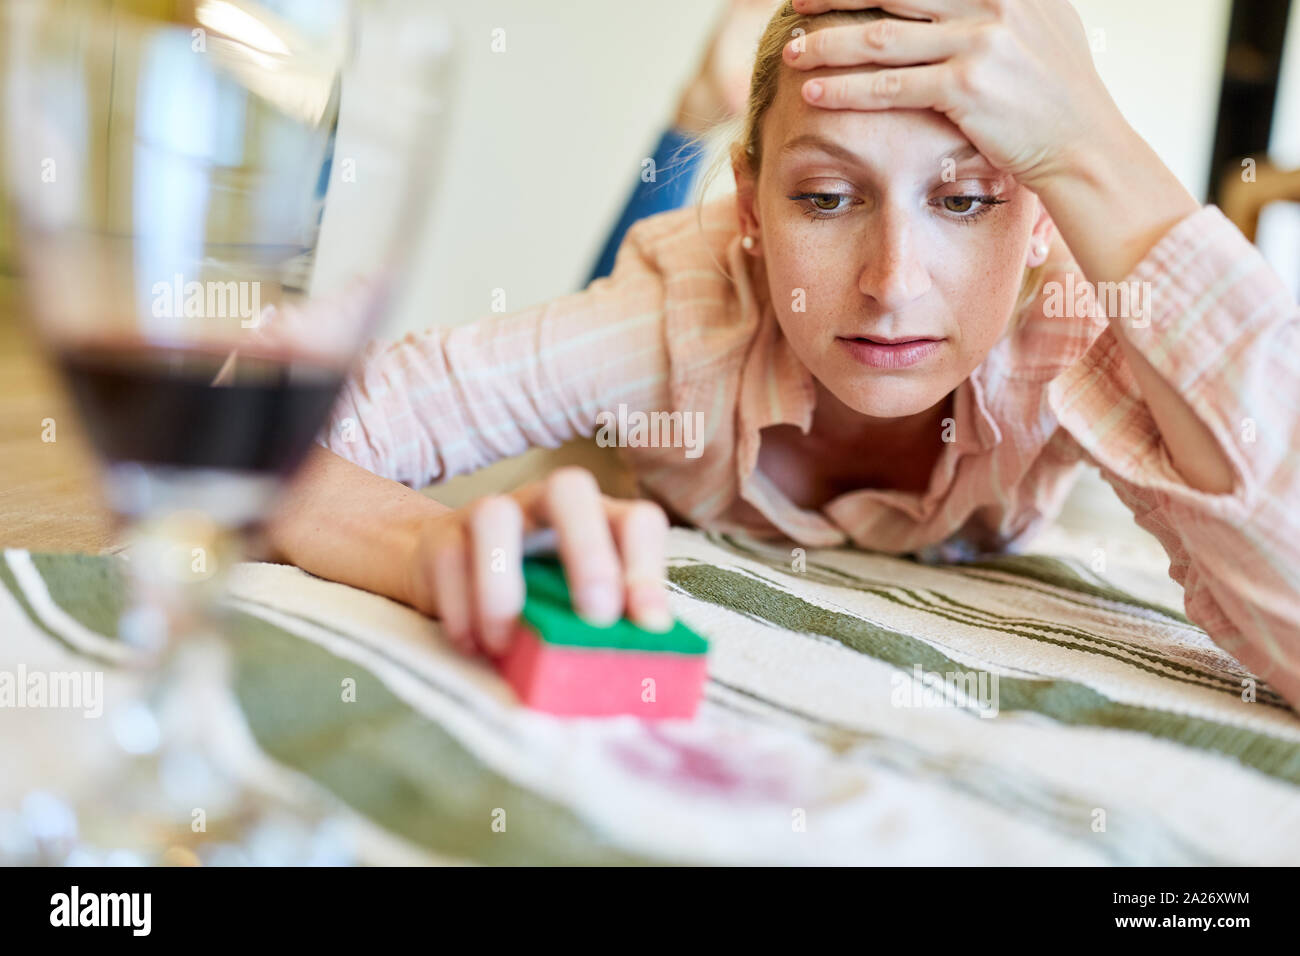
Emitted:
<point x="467" y="565"/>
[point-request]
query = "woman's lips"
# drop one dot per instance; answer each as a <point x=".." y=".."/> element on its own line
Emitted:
<point x="901" y="354"/>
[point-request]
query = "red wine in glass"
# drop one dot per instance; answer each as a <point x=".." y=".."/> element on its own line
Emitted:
<point x="160" y="406"/>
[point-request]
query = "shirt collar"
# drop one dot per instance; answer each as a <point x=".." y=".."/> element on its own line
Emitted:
<point x="776" y="388"/>
<point x="971" y="407"/>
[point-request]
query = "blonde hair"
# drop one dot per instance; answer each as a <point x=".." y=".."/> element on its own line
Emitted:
<point x="787" y="24"/>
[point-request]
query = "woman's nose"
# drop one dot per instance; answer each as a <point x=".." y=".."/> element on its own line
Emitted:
<point x="894" y="273"/>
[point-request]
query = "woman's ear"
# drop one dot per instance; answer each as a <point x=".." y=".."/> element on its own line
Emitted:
<point x="1040" y="238"/>
<point x="745" y="209"/>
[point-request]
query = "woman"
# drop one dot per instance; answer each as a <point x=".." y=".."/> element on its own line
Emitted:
<point x="882" y="334"/>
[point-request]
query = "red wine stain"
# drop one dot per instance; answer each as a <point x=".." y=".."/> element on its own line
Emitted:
<point x="717" y="769"/>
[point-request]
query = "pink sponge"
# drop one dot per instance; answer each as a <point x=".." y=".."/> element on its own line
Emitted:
<point x="559" y="663"/>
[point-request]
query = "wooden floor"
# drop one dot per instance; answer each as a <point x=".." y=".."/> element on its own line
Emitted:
<point x="48" y="496"/>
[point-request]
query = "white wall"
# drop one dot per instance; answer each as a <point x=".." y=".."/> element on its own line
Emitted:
<point x="545" y="141"/>
<point x="548" y="136"/>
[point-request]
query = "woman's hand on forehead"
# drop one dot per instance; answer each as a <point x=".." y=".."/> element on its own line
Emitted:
<point x="1016" y="76"/>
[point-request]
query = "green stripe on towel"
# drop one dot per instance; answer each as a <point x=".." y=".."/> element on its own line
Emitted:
<point x="1049" y="570"/>
<point x="90" y="588"/>
<point x="11" y="585"/>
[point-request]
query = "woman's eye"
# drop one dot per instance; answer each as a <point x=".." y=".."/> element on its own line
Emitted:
<point x="968" y="207"/>
<point x="823" y="205"/>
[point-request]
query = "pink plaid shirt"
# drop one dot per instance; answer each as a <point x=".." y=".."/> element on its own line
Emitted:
<point x="684" y="325"/>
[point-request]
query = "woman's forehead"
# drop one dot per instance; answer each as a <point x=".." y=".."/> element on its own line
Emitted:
<point x="921" y="136"/>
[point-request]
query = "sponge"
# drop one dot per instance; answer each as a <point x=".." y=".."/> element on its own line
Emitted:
<point x="560" y="664"/>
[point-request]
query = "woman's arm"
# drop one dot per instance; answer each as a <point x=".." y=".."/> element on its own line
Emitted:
<point x="1111" y="205"/>
<point x="1224" y="334"/>
<point x="343" y="523"/>
<point x="449" y="401"/>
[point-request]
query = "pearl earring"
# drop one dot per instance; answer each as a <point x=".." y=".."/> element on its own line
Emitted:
<point x="1040" y="250"/>
<point x="747" y="242"/>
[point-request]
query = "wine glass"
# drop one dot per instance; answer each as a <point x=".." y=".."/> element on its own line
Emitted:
<point x="174" y="166"/>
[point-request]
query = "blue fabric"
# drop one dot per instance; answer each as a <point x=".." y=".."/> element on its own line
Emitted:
<point x="676" y="161"/>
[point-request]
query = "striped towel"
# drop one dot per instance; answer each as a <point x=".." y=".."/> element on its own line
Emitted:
<point x="860" y="709"/>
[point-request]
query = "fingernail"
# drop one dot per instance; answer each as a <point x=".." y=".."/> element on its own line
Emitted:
<point x="656" y="618"/>
<point x="599" y="605"/>
<point x="812" y="90"/>
<point x="650" y="607"/>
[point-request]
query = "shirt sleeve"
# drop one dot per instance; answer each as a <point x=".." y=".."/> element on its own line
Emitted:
<point x="448" y="401"/>
<point x="1224" y="330"/>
